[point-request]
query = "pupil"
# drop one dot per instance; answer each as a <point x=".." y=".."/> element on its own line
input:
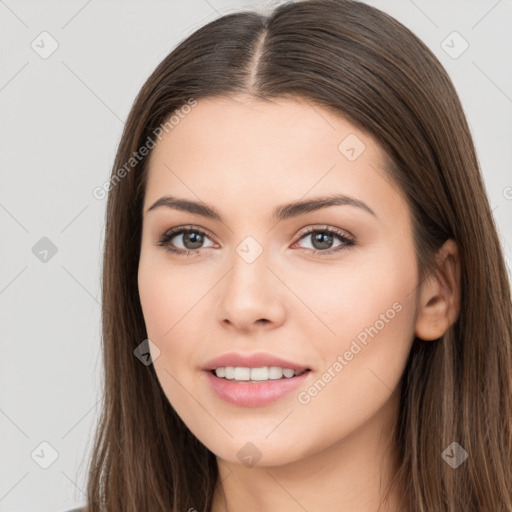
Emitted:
<point x="194" y="238"/>
<point x="323" y="239"/>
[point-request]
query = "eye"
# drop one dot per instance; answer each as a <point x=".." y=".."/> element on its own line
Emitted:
<point x="322" y="239"/>
<point x="192" y="240"/>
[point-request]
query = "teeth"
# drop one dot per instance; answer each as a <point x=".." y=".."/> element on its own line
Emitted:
<point x="259" y="373"/>
<point x="274" y="372"/>
<point x="220" y="372"/>
<point x="255" y="374"/>
<point x="242" y="373"/>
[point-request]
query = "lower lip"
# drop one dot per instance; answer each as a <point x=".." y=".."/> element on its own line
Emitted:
<point x="254" y="394"/>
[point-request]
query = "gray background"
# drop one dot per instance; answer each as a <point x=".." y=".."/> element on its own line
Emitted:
<point x="62" y="118"/>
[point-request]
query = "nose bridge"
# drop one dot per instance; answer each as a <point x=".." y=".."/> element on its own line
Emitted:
<point x="249" y="269"/>
<point x="248" y="295"/>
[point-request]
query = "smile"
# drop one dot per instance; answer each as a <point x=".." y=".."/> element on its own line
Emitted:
<point x="240" y="373"/>
<point x="254" y="392"/>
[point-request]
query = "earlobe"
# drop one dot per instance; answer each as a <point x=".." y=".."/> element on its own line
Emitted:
<point x="439" y="298"/>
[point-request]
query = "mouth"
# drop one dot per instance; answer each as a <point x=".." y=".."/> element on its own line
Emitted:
<point x="238" y="387"/>
<point x="256" y="375"/>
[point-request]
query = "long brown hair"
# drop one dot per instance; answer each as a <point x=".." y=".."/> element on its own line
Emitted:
<point x="360" y="62"/>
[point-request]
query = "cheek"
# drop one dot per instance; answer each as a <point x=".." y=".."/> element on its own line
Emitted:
<point x="346" y="298"/>
<point x="372" y="313"/>
<point x="164" y="295"/>
<point x="367" y="327"/>
<point x="173" y="305"/>
<point x="157" y="300"/>
<point x="362" y="365"/>
<point x="167" y="306"/>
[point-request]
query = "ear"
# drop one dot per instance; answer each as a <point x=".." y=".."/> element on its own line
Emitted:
<point x="439" y="298"/>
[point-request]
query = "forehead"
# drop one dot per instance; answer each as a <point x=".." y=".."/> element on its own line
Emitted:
<point x="242" y="122"/>
<point x="251" y="150"/>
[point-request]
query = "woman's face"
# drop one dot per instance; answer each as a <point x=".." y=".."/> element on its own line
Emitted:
<point x="266" y="279"/>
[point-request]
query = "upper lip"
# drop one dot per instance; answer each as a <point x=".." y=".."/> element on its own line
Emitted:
<point x="257" y="360"/>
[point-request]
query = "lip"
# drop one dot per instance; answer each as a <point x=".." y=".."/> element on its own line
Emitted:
<point x="253" y="394"/>
<point x="257" y="360"/>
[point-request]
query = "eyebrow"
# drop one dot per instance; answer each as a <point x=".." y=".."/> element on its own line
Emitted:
<point x="281" y="212"/>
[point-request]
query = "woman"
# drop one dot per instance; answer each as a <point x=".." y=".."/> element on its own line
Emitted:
<point x="305" y="302"/>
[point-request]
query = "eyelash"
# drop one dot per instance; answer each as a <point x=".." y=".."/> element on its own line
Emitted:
<point x="164" y="241"/>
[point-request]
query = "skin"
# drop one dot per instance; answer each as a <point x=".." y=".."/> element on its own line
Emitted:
<point x="245" y="157"/>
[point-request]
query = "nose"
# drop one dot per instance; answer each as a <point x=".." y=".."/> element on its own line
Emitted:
<point x="251" y="295"/>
